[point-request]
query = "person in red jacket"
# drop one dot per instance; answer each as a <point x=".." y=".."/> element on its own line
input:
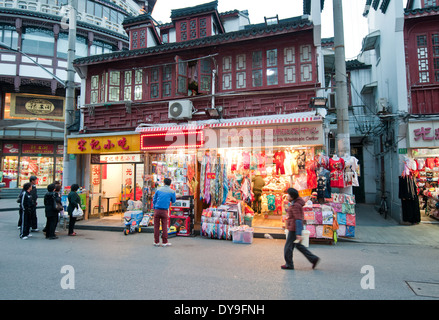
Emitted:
<point x="294" y="225"/>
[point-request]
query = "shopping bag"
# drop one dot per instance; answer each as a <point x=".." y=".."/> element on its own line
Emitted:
<point x="77" y="212"/>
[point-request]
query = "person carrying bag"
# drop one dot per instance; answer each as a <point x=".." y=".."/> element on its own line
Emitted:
<point x="74" y="202"/>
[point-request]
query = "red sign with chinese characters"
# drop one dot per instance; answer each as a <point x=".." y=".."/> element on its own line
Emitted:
<point x="37" y="148"/>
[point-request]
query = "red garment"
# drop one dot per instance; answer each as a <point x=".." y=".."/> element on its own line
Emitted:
<point x="246" y="160"/>
<point x="294" y="212"/>
<point x="311" y="176"/>
<point x="429" y="163"/>
<point x="278" y="159"/>
<point x="336" y="167"/>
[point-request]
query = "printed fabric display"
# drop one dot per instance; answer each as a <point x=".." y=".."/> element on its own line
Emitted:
<point x="320" y="220"/>
<point x="217" y="223"/>
<point x="344" y="206"/>
<point x="214" y="184"/>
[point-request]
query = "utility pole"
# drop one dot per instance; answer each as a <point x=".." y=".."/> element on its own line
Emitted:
<point x="70" y="88"/>
<point x="343" y="136"/>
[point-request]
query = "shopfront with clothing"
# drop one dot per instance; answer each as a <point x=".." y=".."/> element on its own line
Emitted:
<point x="418" y="183"/>
<point x="237" y="172"/>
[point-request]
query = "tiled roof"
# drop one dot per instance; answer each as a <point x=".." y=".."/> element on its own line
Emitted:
<point x="189" y="11"/>
<point x="355" y="65"/>
<point x="408" y="12"/>
<point x="256" y="31"/>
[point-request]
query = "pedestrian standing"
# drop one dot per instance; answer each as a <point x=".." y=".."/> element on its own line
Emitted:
<point x="58" y="200"/>
<point x="162" y="199"/>
<point x="34" y="196"/>
<point x="25" y="210"/>
<point x="74" y="201"/>
<point x="51" y="212"/>
<point x="294" y="226"/>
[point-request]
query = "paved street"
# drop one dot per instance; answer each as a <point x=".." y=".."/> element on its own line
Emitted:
<point x="109" y="265"/>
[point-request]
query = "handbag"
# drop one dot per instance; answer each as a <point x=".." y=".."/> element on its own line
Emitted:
<point x="58" y="206"/>
<point x="77" y="212"/>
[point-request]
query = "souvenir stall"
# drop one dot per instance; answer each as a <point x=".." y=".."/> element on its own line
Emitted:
<point x="418" y="183"/>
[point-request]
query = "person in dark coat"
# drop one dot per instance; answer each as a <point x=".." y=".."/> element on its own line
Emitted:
<point x="34" y="195"/>
<point x="294" y="226"/>
<point x="25" y="210"/>
<point x="74" y="201"/>
<point x="51" y="212"/>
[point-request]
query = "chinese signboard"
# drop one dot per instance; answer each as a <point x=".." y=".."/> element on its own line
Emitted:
<point x="286" y="135"/>
<point x="104" y="144"/>
<point x="423" y="134"/>
<point x="169" y="140"/>
<point x="116" y="158"/>
<point x="37" y="148"/>
<point x="36" y="106"/>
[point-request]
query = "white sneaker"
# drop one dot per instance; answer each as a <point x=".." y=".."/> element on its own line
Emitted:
<point x="168" y="244"/>
<point x="24" y="238"/>
<point x="156" y="244"/>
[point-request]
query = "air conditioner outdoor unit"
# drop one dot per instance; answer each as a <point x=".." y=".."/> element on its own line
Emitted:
<point x="180" y="109"/>
<point x="382" y="105"/>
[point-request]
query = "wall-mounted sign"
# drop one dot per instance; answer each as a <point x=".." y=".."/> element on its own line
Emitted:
<point x="172" y="139"/>
<point x="104" y="144"/>
<point x="37" y="106"/>
<point x="285" y="135"/>
<point x="37" y="148"/>
<point x="116" y="158"/>
<point x="423" y="134"/>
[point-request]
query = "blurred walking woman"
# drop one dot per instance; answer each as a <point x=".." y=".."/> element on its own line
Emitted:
<point x="74" y="200"/>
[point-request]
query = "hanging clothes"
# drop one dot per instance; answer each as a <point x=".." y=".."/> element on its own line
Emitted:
<point x="311" y="167"/>
<point x="409" y="199"/>
<point x="336" y="167"/>
<point x="351" y="171"/>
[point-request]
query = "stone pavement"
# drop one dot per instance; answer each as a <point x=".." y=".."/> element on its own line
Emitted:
<point x="371" y="227"/>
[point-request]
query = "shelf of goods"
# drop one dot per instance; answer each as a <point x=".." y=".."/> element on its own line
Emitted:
<point x="217" y="223"/>
<point x="331" y="220"/>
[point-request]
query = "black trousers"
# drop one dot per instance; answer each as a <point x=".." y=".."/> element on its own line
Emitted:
<point x="33" y="218"/>
<point x="51" y="226"/>
<point x="25" y="223"/>
<point x="72" y="221"/>
<point x="289" y="247"/>
<point x="257" y="203"/>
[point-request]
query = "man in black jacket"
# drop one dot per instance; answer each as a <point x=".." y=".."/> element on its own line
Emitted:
<point x="34" y="196"/>
<point x="25" y="210"/>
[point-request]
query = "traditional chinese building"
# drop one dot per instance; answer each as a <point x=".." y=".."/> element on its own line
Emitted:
<point x="204" y="72"/>
<point x="403" y="50"/>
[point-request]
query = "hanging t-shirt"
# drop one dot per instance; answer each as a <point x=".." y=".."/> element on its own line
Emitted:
<point x="271" y="202"/>
<point x="336" y="168"/>
<point x="311" y="174"/>
<point x="278" y="159"/>
<point x="351" y="172"/>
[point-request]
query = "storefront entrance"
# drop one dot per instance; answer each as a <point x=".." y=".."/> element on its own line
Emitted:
<point x="115" y="179"/>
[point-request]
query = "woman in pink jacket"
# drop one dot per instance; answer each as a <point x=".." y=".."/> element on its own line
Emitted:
<point x="294" y="226"/>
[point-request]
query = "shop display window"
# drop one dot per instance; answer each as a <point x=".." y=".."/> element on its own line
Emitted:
<point x="59" y="168"/>
<point x="180" y="168"/>
<point x="41" y="167"/>
<point x="10" y="171"/>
